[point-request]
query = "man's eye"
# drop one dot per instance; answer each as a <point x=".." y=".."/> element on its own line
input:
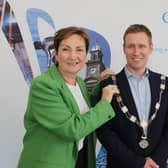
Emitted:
<point x="142" y="46"/>
<point x="130" y="46"/>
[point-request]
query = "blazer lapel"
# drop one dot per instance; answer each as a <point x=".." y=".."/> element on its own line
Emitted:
<point x="71" y="103"/>
<point x="84" y="91"/>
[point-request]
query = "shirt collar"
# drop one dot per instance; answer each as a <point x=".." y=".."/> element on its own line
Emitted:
<point x="129" y="74"/>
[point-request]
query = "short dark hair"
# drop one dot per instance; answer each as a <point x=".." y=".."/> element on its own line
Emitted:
<point x="137" y="28"/>
<point x="68" y="31"/>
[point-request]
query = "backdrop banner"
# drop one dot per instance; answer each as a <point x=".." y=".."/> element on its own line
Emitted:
<point x="26" y="37"/>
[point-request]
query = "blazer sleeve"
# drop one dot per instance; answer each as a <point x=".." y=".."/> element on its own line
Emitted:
<point x="48" y="108"/>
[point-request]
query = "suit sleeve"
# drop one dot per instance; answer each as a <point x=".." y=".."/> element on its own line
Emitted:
<point x="160" y="154"/>
<point x="48" y="108"/>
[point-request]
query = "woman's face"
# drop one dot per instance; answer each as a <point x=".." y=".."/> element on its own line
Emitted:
<point x="71" y="55"/>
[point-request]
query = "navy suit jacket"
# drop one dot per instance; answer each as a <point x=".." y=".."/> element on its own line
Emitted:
<point x="120" y="137"/>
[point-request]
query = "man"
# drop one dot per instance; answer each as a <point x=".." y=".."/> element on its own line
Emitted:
<point x="138" y="136"/>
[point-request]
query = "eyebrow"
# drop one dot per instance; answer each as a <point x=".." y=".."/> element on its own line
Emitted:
<point x="65" y="45"/>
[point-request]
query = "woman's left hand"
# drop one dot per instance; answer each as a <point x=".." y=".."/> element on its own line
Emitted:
<point x="105" y="74"/>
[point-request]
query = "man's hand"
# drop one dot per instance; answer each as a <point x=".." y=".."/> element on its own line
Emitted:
<point x="150" y="163"/>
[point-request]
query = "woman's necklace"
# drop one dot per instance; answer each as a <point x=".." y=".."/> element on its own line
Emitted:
<point x="143" y="143"/>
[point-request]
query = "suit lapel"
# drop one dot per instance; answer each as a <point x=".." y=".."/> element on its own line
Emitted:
<point x="155" y="90"/>
<point x="126" y="94"/>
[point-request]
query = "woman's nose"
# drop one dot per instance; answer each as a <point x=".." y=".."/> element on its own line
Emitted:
<point x="73" y="54"/>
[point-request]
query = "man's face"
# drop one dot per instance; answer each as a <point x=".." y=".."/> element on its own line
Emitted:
<point x="137" y="49"/>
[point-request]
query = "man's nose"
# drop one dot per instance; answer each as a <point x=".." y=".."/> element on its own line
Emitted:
<point x="136" y="50"/>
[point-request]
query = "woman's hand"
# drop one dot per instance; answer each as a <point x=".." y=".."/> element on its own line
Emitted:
<point x="105" y="74"/>
<point x="109" y="91"/>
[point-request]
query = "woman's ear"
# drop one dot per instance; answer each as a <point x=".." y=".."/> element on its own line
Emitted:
<point x="54" y="58"/>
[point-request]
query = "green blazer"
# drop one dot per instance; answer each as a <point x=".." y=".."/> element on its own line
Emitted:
<point x="54" y="124"/>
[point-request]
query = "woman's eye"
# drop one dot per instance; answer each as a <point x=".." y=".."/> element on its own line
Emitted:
<point x="65" y="49"/>
<point x="80" y="50"/>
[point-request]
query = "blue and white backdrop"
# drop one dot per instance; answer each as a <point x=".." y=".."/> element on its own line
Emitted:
<point x="26" y="30"/>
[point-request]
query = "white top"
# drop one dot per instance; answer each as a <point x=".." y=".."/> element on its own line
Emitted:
<point x="83" y="107"/>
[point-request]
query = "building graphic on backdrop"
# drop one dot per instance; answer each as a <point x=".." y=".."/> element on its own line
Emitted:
<point x="94" y="66"/>
<point x="47" y="46"/>
<point x="101" y="158"/>
<point x="43" y="46"/>
<point x="10" y="28"/>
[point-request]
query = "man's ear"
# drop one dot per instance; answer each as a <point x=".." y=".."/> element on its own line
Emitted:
<point x="152" y="46"/>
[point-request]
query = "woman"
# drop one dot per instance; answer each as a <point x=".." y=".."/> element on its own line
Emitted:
<point x="58" y="116"/>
